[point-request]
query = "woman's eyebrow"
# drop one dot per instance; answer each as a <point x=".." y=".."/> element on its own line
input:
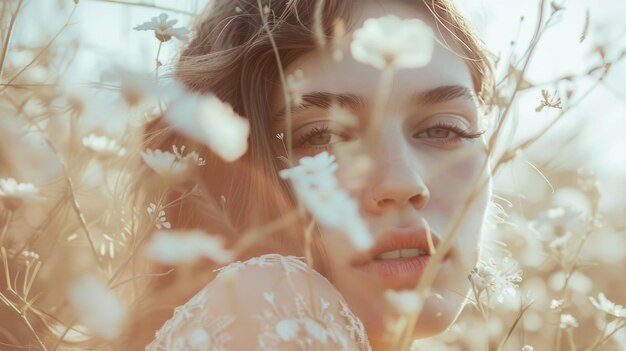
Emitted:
<point x="323" y="100"/>
<point x="442" y="94"/>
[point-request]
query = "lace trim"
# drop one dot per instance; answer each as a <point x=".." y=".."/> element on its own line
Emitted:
<point x="289" y="264"/>
<point x="300" y="325"/>
<point x="198" y="330"/>
<point x="355" y="327"/>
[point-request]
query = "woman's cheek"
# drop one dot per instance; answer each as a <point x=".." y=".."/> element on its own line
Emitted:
<point x="459" y="181"/>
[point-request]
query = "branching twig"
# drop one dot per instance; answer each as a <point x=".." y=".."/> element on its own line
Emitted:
<point x="152" y="6"/>
<point x="16" y="75"/>
<point x="7" y="39"/>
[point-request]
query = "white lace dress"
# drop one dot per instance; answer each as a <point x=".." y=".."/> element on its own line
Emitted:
<point x="268" y="303"/>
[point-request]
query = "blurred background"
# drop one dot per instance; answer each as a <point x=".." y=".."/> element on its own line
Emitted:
<point x="542" y="194"/>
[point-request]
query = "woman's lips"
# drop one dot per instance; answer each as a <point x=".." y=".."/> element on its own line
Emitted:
<point x="399" y="273"/>
<point x="397" y="268"/>
<point x="402" y="272"/>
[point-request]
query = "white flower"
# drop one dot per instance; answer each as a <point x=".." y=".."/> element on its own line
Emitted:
<point x="134" y="86"/>
<point x="499" y="277"/>
<point x="355" y="226"/>
<point x="163" y="29"/>
<point x="172" y="166"/>
<point x="559" y="245"/>
<point x="296" y="85"/>
<point x="315" y="184"/>
<point x="13" y="193"/>
<point x="186" y="247"/>
<point x="557" y="222"/>
<point x="96" y="114"/>
<point x="556" y="304"/>
<point x="608" y="306"/>
<point x="269" y="297"/>
<point x="393" y="42"/>
<point x="568" y="321"/>
<point x="404" y="301"/>
<point x="311" y="168"/>
<point x="528" y="348"/>
<point x="97" y="307"/>
<point x="30" y="255"/>
<point x="287" y="329"/>
<point x="103" y="146"/>
<point x="161" y="221"/>
<point x="212" y="122"/>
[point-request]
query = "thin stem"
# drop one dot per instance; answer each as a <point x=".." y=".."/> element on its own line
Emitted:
<point x="156" y="74"/>
<point x="520" y="80"/>
<point x="22" y="315"/>
<point x="517" y="320"/>
<point x="41" y="229"/>
<point x="430" y="271"/>
<point x="283" y="81"/>
<point x="581" y="243"/>
<point x="319" y="25"/>
<point x="60" y="339"/>
<point x="72" y="192"/>
<point x="609" y="335"/>
<point x="5" y="227"/>
<point x="527" y="143"/>
<point x="79" y="212"/>
<point x="533" y="41"/>
<point x="158" y="63"/>
<point x="600" y="336"/>
<point x="134" y="278"/>
<point x="152" y="6"/>
<point x="56" y="36"/>
<point x="570" y="337"/>
<point x="382" y="97"/>
<point x="7" y="39"/>
<point x="308" y="242"/>
<point x="32" y="330"/>
<point x="250" y="238"/>
<point x="5" y="264"/>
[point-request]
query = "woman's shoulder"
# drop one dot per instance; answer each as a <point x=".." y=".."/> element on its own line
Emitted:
<point x="270" y="302"/>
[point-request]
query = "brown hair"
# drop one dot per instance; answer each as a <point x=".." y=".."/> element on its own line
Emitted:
<point x="232" y="57"/>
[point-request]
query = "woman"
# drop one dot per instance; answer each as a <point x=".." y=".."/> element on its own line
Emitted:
<point x="425" y="154"/>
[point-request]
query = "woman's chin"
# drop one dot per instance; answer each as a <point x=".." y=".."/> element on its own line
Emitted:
<point x="434" y="319"/>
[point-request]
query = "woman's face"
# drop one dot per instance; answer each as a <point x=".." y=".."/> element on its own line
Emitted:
<point x="424" y="157"/>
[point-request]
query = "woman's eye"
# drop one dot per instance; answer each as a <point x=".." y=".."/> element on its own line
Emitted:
<point x="319" y="137"/>
<point x="446" y="134"/>
<point x="438" y="133"/>
<point x="322" y="139"/>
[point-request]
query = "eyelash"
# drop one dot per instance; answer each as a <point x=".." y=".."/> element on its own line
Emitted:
<point x="315" y="131"/>
<point x="460" y="134"/>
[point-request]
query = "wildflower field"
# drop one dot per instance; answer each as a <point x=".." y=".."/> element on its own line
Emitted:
<point x="82" y="242"/>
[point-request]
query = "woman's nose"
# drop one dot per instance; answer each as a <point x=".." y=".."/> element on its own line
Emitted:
<point x="397" y="183"/>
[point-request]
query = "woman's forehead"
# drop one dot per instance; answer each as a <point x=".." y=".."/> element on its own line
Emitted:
<point x="323" y="74"/>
